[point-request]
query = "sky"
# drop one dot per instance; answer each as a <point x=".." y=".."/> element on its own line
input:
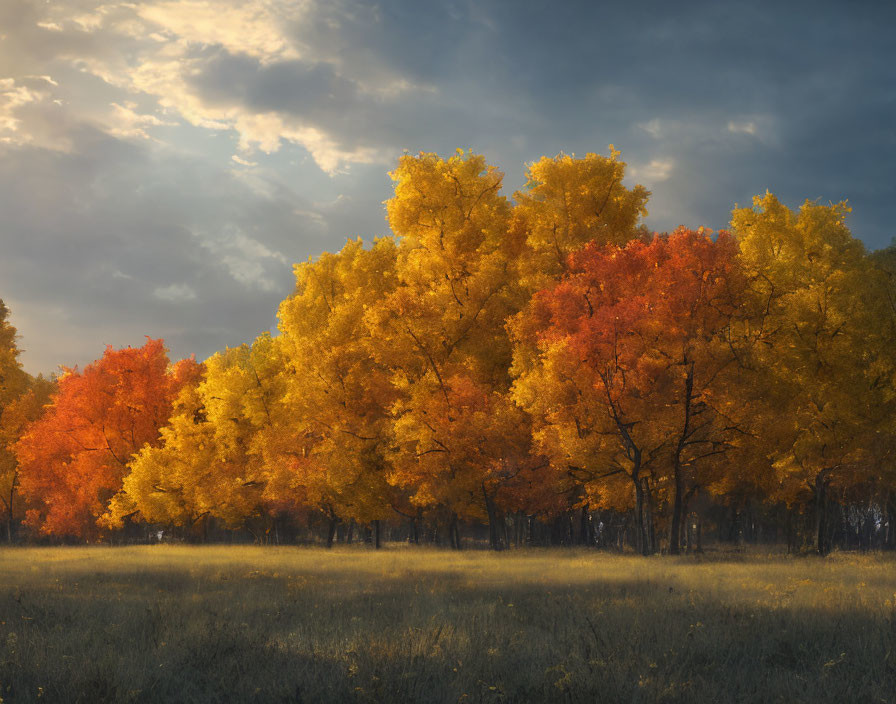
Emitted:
<point x="164" y="163"/>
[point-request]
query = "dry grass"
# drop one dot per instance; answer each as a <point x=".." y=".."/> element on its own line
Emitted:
<point x="241" y="624"/>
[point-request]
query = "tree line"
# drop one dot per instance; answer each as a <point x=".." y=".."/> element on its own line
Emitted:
<point x="543" y="367"/>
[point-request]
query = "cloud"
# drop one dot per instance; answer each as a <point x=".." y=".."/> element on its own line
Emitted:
<point x="248" y="261"/>
<point x="653" y="128"/>
<point x="655" y="171"/>
<point x="742" y="127"/>
<point x="125" y="122"/>
<point x="265" y="132"/>
<point x="253" y="28"/>
<point x="175" y="293"/>
<point x="14" y="96"/>
<point x="239" y="66"/>
<point x="46" y="79"/>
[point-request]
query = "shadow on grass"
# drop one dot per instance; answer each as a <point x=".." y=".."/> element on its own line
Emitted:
<point x="333" y="634"/>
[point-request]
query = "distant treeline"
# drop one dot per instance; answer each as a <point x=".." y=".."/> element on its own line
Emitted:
<point x="528" y="371"/>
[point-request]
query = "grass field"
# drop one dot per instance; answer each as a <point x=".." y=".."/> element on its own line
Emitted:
<point x="243" y="624"/>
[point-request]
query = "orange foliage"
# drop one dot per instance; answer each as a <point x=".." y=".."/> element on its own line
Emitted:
<point x="629" y="362"/>
<point x="73" y="459"/>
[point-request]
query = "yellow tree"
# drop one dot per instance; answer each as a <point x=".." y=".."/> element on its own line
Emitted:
<point x="13" y="379"/>
<point x="173" y="483"/>
<point x="210" y="462"/>
<point x="569" y="202"/>
<point x="881" y="469"/>
<point x="812" y="275"/>
<point x="441" y="329"/>
<point x="22" y="399"/>
<point x="329" y="446"/>
<point x="242" y="393"/>
<point x="239" y="393"/>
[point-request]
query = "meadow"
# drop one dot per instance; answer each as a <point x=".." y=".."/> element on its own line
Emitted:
<point x="303" y="624"/>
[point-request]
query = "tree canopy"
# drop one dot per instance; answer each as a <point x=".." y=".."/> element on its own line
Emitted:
<point x="541" y="360"/>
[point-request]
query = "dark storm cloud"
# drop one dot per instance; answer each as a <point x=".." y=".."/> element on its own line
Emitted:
<point x="748" y="97"/>
<point x="124" y="213"/>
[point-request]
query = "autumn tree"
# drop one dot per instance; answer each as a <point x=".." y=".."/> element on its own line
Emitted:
<point x="13" y="379"/>
<point x="73" y="459"/>
<point x="13" y="384"/>
<point x="337" y="396"/>
<point x="828" y="389"/>
<point x="441" y="333"/>
<point x="15" y="418"/>
<point x="241" y="393"/>
<point x="164" y="482"/>
<point x="882" y="467"/>
<point x="22" y="398"/>
<point x="210" y="460"/>
<point x="569" y="202"/>
<point x="625" y="365"/>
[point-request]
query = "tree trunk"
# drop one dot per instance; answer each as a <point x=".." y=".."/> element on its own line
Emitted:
<point x="687" y="523"/>
<point x="350" y="532"/>
<point x="9" y="513"/>
<point x="891" y="522"/>
<point x="453" y="534"/>
<point x="640" y="519"/>
<point x="415" y="531"/>
<point x="789" y="529"/>
<point x="821" y="522"/>
<point x="331" y="532"/>
<point x="583" y="526"/>
<point x="505" y="534"/>
<point x="867" y="531"/>
<point x="675" y="530"/>
<point x="651" y="526"/>
<point x="493" y="536"/>
<point x="737" y="526"/>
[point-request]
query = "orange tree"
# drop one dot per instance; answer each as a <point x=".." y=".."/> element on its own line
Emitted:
<point x="73" y="459"/>
<point x="627" y="365"/>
